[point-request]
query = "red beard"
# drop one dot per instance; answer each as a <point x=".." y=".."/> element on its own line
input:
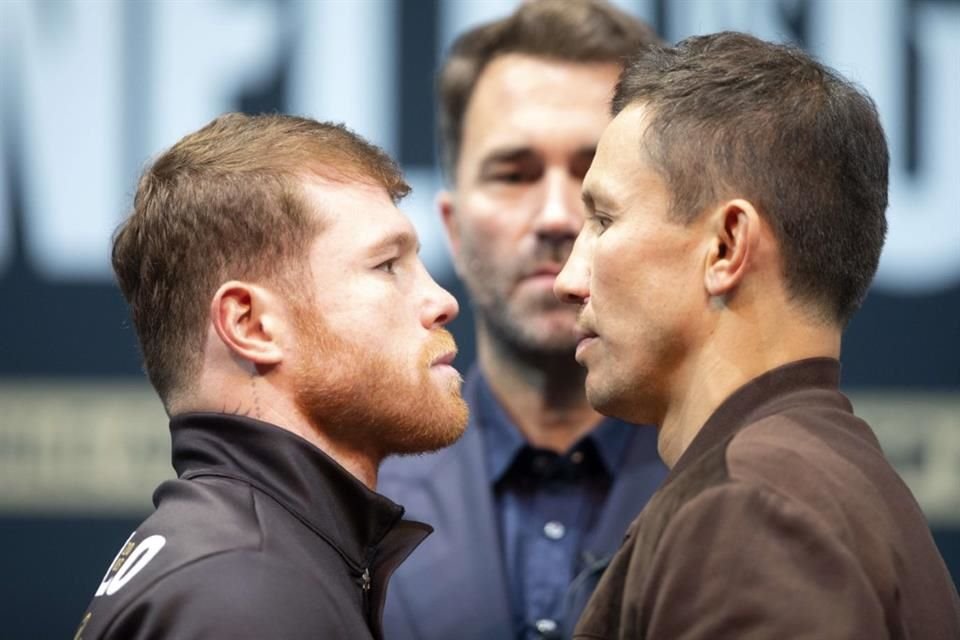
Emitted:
<point x="360" y="398"/>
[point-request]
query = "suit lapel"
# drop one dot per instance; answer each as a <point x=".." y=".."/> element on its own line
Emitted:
<point x="639" y="476"/>
<point x="454" y="585"/>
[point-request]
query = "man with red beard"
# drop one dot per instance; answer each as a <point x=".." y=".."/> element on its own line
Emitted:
<point x="295" y="339"/>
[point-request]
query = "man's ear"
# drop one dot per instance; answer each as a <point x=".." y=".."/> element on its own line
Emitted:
<point x="735" y="231"/>
<point x="447" y="211"/>
<point x="247" y="319"/>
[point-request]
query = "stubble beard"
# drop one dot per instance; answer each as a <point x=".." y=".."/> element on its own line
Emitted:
<point x="519" y="331"/>
<point x="519" y="327"/>
<point x="361" y="399"/>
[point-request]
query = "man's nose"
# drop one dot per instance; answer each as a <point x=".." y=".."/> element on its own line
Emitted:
<point x="573" y="282"/>
<point x="560" y="216"/>
<point x="440" y="307"/>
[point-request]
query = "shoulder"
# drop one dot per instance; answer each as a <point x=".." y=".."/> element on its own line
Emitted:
<point x="780" y="557"/>
<point x="235" y="594"/>
<point x="830" y="464"/>
<point x="745" y="505"/>
<point x="194" y="521"/>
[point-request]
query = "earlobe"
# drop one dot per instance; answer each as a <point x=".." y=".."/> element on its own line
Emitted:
<point x="244" y="317"/>
<point x="734" y="228"/>
<point x="447" y="211"/>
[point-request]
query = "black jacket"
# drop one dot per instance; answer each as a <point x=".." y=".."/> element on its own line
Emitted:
<point x="261" y="536"/>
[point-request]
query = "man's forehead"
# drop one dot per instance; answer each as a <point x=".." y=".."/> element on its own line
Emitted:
<point x="343" y="187"/>
<point x="520" y="76"/>
<point x="335" y="201"/>
<point x="363" y="211"/>
<point x="618" y="161"/>
<point x="621" y="141"/>
<point x="522" y="101"/>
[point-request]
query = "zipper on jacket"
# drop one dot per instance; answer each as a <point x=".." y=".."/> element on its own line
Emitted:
<point x="365" y="587"/>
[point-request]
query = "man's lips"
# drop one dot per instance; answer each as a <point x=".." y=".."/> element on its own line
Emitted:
<point x="583" y="333"/>
<point x="542" y="278"/>
<point x="584" y="338"/>
<point x="445" y="359"/>
<point x="543" y="271"/>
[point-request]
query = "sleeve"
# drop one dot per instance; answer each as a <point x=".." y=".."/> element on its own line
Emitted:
<point x="235" y="596"/>
<point x="740" y="561"/>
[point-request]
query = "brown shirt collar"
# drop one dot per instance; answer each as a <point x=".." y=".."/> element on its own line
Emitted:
<point x="757" y="399"/>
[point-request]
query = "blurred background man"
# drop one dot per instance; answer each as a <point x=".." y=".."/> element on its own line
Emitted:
<point x="536" y="496"/>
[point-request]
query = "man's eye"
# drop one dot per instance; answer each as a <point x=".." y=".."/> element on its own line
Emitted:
<point x="603" y="223"/>
<point x="388" y="266"/>
<point x="521" y="174"/>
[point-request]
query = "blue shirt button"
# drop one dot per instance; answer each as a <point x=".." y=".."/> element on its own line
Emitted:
<point x="546" y="626"/>
<point x="554" y="530"/>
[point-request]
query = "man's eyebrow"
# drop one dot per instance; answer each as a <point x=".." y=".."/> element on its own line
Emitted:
<point x="506" y="154"/>
<point x="402" y="240"/>
<point x="595" y="197"/>
<point x="588" y="200"/>
<point x="590" y="150"/>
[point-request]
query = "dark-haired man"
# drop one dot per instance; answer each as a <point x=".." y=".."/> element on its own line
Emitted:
<point x="296" y="340"/>
<point x="530" y="504"/>
<point x="736" y="213"/>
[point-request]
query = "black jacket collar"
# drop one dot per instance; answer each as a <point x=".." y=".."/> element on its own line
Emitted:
<point x="303" y="479"/>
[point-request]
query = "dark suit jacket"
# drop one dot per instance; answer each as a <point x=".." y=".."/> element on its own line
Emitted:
<point x="455" y="585"/>
<point x="782" y="519"/>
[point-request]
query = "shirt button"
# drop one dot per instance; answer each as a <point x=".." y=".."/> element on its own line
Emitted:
<point x="554" y="530"/>
<point x="576" y="457"/>
<point x="546" y="626"/>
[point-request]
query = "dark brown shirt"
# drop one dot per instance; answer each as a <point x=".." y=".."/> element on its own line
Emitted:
<point x="782" y="519"/>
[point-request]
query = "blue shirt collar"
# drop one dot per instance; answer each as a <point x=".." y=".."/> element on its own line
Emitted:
<point x="502" y="439"/>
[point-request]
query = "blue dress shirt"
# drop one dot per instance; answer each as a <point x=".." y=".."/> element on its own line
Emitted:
<point x="546" y="503"/>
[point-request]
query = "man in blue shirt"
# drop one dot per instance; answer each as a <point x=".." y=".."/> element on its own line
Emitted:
<point x="536" y="496"/>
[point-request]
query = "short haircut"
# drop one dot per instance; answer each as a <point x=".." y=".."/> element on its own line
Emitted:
<point x="227" y="202"/>
<point x="734" y="116"/>
<point x="587" y="31"/>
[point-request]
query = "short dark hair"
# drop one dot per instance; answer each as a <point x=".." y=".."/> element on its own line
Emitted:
<point x="731" y="115"/>
<point x="227" y="202"/>
<point x="567" y="30"/>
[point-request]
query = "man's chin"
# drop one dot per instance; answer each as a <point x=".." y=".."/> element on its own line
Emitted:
<point x="601" y="398"/>
<point x="442" y="428"/>
<point x="540" y="334"/>
<point x="550" y="344"/>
